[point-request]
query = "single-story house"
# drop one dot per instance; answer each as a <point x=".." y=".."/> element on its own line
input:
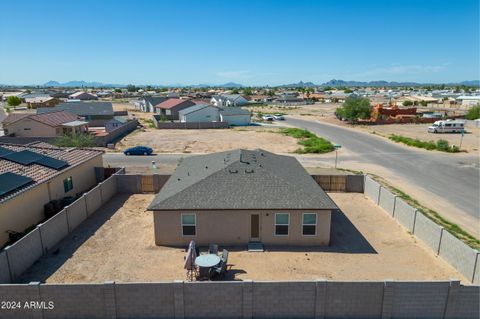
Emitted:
<point x="43" y="125"/>
<point x="171" y="107"/>
<point x="287" y="98"/>
<point x="241" y="196"/>
<point x="228" y="100"/>
<point x="83" y="96"/>
<point x="199" y="113"/>
<point x="95" y="113"/>
<point x="147" y="104"/>
<point x="115" y="123"/>
<point x="468" y="100"/>
<point x="235" y="116"/>
<point x="33" y="175"/>
<point x="36" y="102"/>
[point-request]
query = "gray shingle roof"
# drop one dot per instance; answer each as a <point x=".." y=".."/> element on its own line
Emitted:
<point x="241" y="179"/>
<point x="154" y="100"/>
<point x="81" y="108"/>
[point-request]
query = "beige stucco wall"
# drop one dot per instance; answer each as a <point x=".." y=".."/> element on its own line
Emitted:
<point x="233" y="228"/>
<point x="26" y="209"/>
<point x="37" y="129"/>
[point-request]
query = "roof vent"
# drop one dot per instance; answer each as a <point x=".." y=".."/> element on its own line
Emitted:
<point x="249" y="171"/>
<point x="233" y="171"/>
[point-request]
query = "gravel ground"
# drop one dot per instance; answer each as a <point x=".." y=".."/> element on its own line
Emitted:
<point x="117" y="243"/>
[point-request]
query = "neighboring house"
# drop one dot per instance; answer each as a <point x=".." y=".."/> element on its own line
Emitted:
<point x="468" y="100"/>
<point x="95" y="113"/>
<point x="83" y="96"/>
<point x="31" y="95"/>
<point x="43" y="125"/>
<point x="115" y="123"/>
<point x="199" y="113"/>
<point x="240" y="196"/>
<point x="287" y="98"/>
<point x="35" y="174"/>
<point x="235" y="116"/>
<point x="228" y="100"/>
<point x="148" y="103"/>
<point x="171" y="107"/>
<point x="36" y="102"/>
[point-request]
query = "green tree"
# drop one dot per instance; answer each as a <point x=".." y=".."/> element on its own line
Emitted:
<point x="347" y="91"/>
<point x="247" y="91"/>
<point x="131" y="88"/>
<point x="75" y="140"/>
<point x="234" y="91"/>
<point x="407" y="103"/>
<point x="14" y="101"/>
<point x="473" y="113"/>
<point x="423" y="103"/>
<point x="355" y="108"/>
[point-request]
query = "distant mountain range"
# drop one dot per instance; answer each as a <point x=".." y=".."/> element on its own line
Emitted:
<point x="331" y="83"/>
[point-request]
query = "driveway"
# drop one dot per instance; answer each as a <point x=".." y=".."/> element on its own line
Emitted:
<point x="448" y="183"/>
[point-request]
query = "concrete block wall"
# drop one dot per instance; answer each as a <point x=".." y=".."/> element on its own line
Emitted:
<point x="108" y="189"/>
<point x="54" y="230"/>
<point x="93" y="199"/>
<point x="355" y="183"/>
<point x="4" y="268"/>
<point x="428" y="231"/>
<point x="463" y="258"/>
<point x="284" y="299"/>
<point x="372" y="189"/>
<point x="248" y="299"/>
<point x="354" y="300"/>
<point x="144" y="300"/>
<point x="405" y="214"/>
<point x="129" y="183"/>
<point x="24" y="253"/>
<point x="386" y="200"/>
<point x="76" y="213"/>
<point x="459" y="255"/>
<point x="212" y="299"/>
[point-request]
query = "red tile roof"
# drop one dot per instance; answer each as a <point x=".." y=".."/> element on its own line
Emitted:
<point x="39" y="173"/>
<point x="53" y="119"/>
<point x="170" y="103"/>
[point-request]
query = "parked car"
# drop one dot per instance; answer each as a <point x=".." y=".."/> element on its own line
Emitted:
<point x="279" y="117"/>
<point x="268" y="118"/>
<point x="138" y="150"/>
<point x="448" y="126"/>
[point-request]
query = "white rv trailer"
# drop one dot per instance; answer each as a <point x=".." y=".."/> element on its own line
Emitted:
<point x="448" y="126"/>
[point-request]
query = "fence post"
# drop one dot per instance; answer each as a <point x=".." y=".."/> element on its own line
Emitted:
<point x="320" y="298"/>
<point x="86" y="205"/>
<point x="6" y="249"/>
<point x="110" y="302"/>
<point x="101" y="191"/>
<point x="452" y="298"/>
<point x="178" y="301"/>
<point x="39" y="226"/>
<point x="247" y="300"/>
<point x="34" y="295"/>
<point x="387" y="304"/>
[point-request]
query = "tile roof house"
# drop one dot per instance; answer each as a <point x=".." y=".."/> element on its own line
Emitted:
<point x="50" y="173"/>
<point x="96" y="113"/>
<point x="239" y="196"/>
<point x="43" y="125"/>
<point x="169" y="108"/>
<point x="36" y="102"/>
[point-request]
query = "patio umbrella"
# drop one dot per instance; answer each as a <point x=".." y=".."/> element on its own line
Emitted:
<point x="190" y="258"/>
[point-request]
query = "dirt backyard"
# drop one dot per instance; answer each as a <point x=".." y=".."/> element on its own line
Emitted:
<point x="117" y="243"/>
<point x="211" y="140"/>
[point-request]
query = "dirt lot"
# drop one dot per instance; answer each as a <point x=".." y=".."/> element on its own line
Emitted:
<point x="210" y="140"/>
<point x="117" y="244"/>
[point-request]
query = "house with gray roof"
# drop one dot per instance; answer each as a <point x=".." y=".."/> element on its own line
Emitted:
<point x="96" y="113"/>
<point x="235" y="116"/>
<point x="241" y="196"/>
<point x="199" y="113"/>
<point x="147" y="104"/>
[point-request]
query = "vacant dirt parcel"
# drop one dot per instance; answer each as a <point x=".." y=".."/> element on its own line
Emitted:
<point x="117" y="244"/>
<point x="210" y="140"/>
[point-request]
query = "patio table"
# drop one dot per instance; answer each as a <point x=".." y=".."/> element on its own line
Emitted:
<point x="207" y="261"/>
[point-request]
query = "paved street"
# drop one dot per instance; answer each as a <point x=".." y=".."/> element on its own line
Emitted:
<point x="448" y="183"/>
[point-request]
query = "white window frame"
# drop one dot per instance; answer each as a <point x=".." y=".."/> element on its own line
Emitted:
<point x="316" y="224"/>
<point x="168" y="112"/>
<point x="275" y="225"/>
<point x="181" y="222"/>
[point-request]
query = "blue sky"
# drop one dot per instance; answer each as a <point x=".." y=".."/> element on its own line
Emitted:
<point x="250" y="42"/>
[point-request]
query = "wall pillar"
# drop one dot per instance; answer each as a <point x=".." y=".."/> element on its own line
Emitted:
<point x="247" y="306"/>
<point x="452" y="298"/>
<point x="387" y="305"/>
<point x="320" y="298"/>
<point x="179" y="309"/>
<point x="34" y="295"/>
<point x="110" y="303"/>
